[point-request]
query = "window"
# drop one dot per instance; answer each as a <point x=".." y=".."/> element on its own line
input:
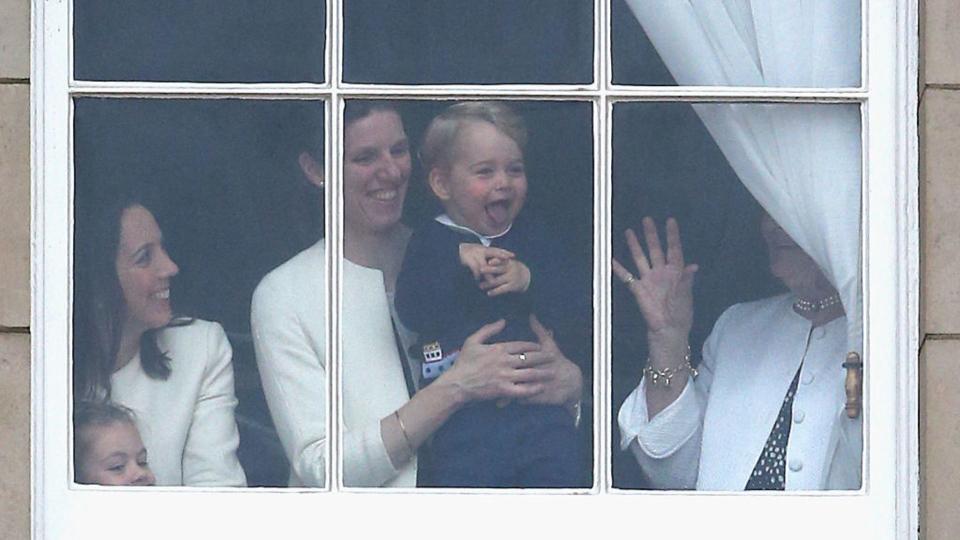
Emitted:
<point x="205" y="123"/>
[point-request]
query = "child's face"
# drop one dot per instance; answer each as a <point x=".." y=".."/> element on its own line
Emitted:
<point x="486" y="184"/>
<point x="115" y="457"/>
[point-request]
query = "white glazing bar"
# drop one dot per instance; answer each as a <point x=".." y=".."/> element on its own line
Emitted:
<point x="330" y="49"/>
<point x="331" y="213"/>
<point x="602" y="198"/>
<point x="197" y="90"/>
<point x="864" y="44"/>
<point x="334" y="235"/>
<point x="306" y="91"/>
<point x="600" y="47"/>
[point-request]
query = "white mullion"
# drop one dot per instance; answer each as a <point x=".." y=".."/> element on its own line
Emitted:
<point x="864" y="44"/>
<point x="334" y="236"/>
<point x="602" y="198"/>
<point x="600" y="43"/>
<point x="70" y="44"/>
<point x="330" y="46"/>
<point x="335" y="26"/>
<point x="334" y="244"/>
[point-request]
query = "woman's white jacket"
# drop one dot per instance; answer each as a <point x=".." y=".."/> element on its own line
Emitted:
<point x="711" y="437"/>
<point x="288" y="320"/>
<point x="187" y="421"/>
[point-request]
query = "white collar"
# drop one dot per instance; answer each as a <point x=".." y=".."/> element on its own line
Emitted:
<point x="485" y="240"/>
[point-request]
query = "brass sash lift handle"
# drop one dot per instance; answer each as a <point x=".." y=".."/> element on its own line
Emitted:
<point x="854" y="384"/>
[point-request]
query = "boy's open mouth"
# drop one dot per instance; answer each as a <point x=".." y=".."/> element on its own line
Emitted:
<point x="498" y="211"/>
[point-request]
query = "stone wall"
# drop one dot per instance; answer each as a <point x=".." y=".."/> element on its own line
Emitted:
<point x="14" y="269"/>
<point x="940" y="259"/>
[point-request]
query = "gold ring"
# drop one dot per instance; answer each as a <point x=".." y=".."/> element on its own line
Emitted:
<point x="629" y="279"/>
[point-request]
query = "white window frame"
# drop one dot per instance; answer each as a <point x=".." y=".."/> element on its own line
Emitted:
<point x="886" y="507"/>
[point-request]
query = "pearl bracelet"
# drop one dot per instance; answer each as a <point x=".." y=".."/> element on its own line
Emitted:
<point x="665" y="376"/>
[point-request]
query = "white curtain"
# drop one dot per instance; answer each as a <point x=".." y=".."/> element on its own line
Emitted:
<point x="801" y="162"/>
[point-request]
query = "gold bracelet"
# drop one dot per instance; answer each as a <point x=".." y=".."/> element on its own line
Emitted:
<point x="665" y="376"/>
<point x="403" y="430"/>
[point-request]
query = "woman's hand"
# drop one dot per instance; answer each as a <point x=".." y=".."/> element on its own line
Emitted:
<point x="536" y="373"/>
<point x="488" y="371"/>
<point x="559" y="378"/>
<point x="664" y="289"/>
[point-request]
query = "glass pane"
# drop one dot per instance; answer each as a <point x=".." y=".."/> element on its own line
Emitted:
<point x="154" y="326"/>
<point x="468" y="42"/>
<point x="767" y="316"/>
<point x="780" y="43"/>
<point x="184" y="40"/>
<point x="476" y="183"/>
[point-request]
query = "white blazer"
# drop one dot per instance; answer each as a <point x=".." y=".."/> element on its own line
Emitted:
<point x="187" y="421"/>
<point x="289" y="322"/>
<point x="711" y="437"/>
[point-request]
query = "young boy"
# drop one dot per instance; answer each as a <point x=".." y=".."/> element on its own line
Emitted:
<point x="107" y="448"/>
<point x="473" y="265"/>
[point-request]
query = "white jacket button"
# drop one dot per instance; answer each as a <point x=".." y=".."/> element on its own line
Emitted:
<point x="807" y="378"/>
<point x="798" y="417"/>
<point x="796" y="465"/>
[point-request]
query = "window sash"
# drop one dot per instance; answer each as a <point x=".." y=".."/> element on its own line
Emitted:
<point x="890" y="247"/>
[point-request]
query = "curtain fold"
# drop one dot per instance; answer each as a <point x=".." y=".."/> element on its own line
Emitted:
<point x="802" y="162"/>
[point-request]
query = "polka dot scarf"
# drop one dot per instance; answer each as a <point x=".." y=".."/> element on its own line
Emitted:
<point x="770" y="472"/>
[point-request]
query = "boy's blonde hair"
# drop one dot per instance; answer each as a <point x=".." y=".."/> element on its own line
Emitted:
<point x="442" y="133"/>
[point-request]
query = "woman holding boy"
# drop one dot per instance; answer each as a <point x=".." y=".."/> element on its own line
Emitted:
<point x="385" y="418"/>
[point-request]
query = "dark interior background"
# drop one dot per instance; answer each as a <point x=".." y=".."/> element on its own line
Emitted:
<point x="200" y="40"/>
<point x="232" y="203"/>
<point x="468" y="41"/>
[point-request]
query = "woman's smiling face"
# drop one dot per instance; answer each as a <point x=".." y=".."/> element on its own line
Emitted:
<point x="144" y="270"/>
<point x="376" y="171"/>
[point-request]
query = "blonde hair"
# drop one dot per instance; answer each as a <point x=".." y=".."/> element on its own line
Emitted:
<point x="443" y="130"/>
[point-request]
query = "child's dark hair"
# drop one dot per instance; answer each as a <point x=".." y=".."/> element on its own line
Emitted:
<point x="88" y="414"/>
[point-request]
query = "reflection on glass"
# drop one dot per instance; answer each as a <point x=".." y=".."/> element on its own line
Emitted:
<point x="780" y="43"/>
<point x="742" y="291"/>
<point x="181" y="207"/>
<point x="183" y="40"/>
<point x="468" y="42"/>
<point x="502" y="199"/>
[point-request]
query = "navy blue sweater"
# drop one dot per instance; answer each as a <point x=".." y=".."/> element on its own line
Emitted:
<point x="438" y="298"/>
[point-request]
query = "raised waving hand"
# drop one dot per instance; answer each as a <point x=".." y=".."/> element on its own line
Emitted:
<point x="663" y="286"/>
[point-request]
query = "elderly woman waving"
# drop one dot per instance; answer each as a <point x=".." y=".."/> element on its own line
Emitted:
<point x="764" y="409"/>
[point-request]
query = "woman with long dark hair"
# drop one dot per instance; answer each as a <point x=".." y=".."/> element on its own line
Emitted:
<point x="173" y="372"/>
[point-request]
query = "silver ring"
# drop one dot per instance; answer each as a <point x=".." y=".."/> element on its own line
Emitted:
<point x="629" y="279"/>
<point x="523" y="358"/>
